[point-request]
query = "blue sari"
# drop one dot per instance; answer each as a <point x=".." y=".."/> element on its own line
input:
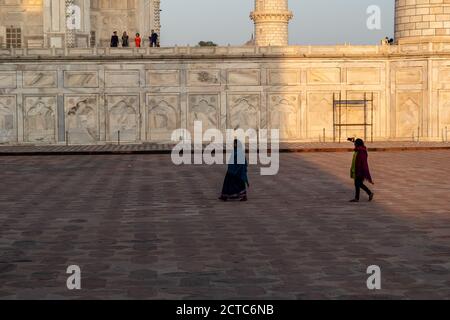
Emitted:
<point x="236" y="179"/>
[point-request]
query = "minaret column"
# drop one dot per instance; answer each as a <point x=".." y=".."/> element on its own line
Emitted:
<point x="271" y="18"/>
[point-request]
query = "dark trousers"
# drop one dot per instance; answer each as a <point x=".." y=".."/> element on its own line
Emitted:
<point x="359" y="184"/>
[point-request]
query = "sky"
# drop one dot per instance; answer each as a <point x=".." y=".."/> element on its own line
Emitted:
<point x="315" y="21"/>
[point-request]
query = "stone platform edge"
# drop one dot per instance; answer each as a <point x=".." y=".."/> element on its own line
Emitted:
<point x="166" y="150"/>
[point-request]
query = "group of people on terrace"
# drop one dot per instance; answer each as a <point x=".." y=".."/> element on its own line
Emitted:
<point x="125" y="41"/>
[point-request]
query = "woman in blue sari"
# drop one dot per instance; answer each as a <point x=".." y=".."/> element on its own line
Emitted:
<point x="236" y="180"/>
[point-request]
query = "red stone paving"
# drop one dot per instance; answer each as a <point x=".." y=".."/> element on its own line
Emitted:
<point x="153" y="148"/>
<point x="142" y="228"/>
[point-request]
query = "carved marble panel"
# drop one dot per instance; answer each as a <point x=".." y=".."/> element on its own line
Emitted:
<point x="243" y="111"/>
<point x="244" y="77"/>
<point x="284" y="110"/>
<point x="122" y="79"/>
<point x="324" y="76"/>
<point x="164" y="116"/>
<point x="363" y="76"/>
<point x="408" y="106"/>
<point x="81" y="79"/>
<point x="123" y="117"/>
<point x="283" y="77"/>
<point x="40" y="119"/>
<point x="8" y="119"/>
<point x="40" y="79"/>
<point x="412" y="75"/>
<point x="163" y="78"/>
<point x="209" y="77"/>
<point x="444" y="75"/>
<point x="320" y="114"/>
<point x="204" y="108"/>
<point x="81" y="116"/>
<point x="444" y="111"/>
<point x="8" y="80"/>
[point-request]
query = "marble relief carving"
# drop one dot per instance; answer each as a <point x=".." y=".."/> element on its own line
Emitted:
<point x="204" y="108"/>
<point x="163" y="116"/>
<point x="82" y="119"/>
<point x="40" y="119"/>
<point x="123" y="117"/>
<point x="243" y="111"/>
<point x="81" y="79"/>
<point x="408" y="113"/>
<point x="320" y="113"/>
<point x="40" y="79"/>
<point x="204" y="77"/>
<point x="284" y="115"/>
<point x="8" y="116"/>
<point x="444" y="111"/>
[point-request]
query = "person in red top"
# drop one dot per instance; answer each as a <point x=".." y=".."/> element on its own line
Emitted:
<point x="360" y="170"/>
<point x="138" y="40"/>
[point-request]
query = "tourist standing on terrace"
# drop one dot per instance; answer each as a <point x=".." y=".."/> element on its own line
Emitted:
<point x="138" y="40"/>
<point x="114" y="40"/>
<point x="360" y="170"/>
<point x="125" y="40"/>
<point x="153" y="39"/>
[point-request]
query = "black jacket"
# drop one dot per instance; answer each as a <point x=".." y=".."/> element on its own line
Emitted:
<point x="114" y="41"/>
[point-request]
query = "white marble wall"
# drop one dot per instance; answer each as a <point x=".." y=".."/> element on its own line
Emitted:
<point x="92" y="101"/>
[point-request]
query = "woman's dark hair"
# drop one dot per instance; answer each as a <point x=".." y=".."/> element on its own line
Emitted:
<point x="359" y="143"/>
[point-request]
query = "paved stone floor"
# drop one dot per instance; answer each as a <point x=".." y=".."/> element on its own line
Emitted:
<point x="161" y="148"/>
<point x="142" y="228"/>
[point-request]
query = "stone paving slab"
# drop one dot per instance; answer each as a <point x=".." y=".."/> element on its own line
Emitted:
<point x="141" y="228"/>
<point x="147" y="148"/>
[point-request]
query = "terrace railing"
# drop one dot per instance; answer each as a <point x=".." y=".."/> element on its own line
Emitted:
<point x="342" y="51"/>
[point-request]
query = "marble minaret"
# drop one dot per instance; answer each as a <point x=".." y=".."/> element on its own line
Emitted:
<point x="271" y="18"/>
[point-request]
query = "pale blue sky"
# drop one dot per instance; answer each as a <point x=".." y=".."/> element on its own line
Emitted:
<point x="315" y="22"/>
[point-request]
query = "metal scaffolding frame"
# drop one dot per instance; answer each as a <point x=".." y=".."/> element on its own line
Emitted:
<point x="339" y="104"/>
